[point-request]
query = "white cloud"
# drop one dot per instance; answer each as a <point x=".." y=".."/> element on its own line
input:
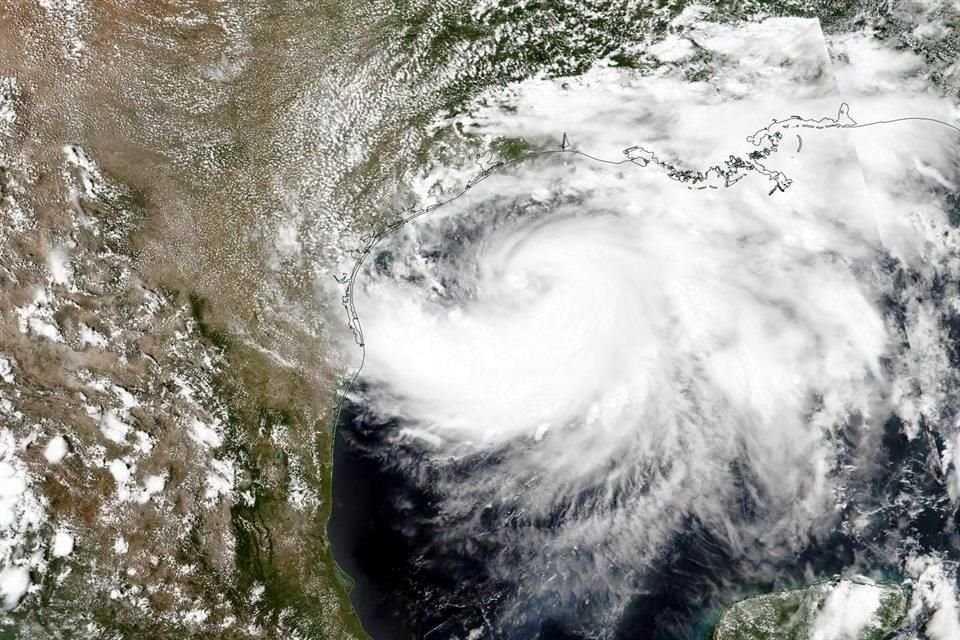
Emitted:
<point x="113" y="427"/>
<point x="58" y="262"/>
<point x="6" y="370"/>
<point x="119" y="471"/>
<point x="21" y="517"/>
<point x="220" y="479"/>
<point x="205" y="434"/>
<point x="935" y="605"/>
<point x="848" y="610"/>
<point x="55" y="450"/>
<point x="62" y="544"/>
<point x="14" y="582"/>
<point x="621" y="341"/>
<point x="672" y="49"/>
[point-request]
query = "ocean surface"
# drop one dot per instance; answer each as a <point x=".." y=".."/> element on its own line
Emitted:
<point x="412" y="582"/>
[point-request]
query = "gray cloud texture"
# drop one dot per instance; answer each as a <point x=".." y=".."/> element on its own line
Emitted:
<point x="625" y="353"/>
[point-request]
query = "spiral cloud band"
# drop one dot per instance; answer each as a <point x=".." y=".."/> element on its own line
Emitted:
<point x="591" y="355"/>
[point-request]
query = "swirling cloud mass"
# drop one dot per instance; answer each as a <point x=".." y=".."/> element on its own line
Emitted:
<point x="583" y="361"/>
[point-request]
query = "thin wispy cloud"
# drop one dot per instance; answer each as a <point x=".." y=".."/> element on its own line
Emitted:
<point x="603" y="354"/>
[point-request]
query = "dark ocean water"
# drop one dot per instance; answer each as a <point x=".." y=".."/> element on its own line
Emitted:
<point x="412" y="582"/>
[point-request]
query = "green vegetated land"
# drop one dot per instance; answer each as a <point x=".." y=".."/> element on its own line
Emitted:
<point x="211" y="126"/>
<point x="794" y="614"/>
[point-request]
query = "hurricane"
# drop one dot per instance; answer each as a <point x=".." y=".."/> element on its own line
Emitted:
<point x="669" y="347"/>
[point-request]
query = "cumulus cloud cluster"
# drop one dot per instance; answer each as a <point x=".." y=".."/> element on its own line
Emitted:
<point x="617" y="354"/>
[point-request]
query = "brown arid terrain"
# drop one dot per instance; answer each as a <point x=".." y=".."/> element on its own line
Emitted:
<point x="179" y="181"/>
<point x="176" y="183"/>
<point x="176" y="179"/>
<point x="165" y="397"/>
